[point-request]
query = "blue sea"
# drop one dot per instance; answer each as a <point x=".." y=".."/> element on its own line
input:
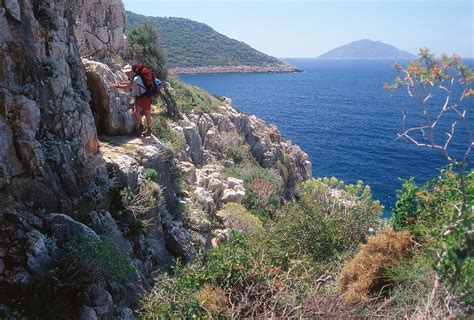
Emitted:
<point x="338" y="112"/>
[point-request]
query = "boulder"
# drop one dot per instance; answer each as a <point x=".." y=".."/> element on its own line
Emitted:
<point x="100" y="301"/>
<point x="111" y="107"/>
<point x="231" y="195"/>
<point x="193" y="139"/>
<point x="189" y="172"/>
<point x="103" y="223"/>
<point x="38" y="259"/>
<point x="178" y="242"/>
<point x="63" y="227"/>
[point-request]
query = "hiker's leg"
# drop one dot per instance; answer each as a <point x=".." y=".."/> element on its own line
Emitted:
<point x="137" y="114"/>
<point x="148" y="119"/>
<point x="147" y="111"/>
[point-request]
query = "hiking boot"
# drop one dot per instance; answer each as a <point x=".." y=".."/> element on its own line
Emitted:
<point x="147" y="133"/>
<point x="138" y="132"/>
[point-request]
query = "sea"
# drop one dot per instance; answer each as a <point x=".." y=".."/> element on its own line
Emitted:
<point x="338" y="112"/>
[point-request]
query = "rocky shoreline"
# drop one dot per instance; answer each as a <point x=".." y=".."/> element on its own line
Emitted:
<point x="276" y="68"/>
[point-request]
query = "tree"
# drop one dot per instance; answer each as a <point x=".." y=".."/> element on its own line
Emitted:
<point x="439" y="124"/>
<point x="144" y="47"/>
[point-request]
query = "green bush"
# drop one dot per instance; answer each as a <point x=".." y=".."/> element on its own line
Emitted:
<point x="176" y="295"/>
<point x="434" y="214"/>
<point x="144" y="47"/>
<point x="191" y="98"/>
<point x="328" y="219"/>
<point x="162" y="130"/>
<point x="263" y="188"/>
<point x="235" y="216"/>
<point x="102" y="259"/>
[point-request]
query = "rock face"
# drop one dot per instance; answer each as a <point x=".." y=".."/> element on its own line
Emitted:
<point x="99" y="27"/>
<point x="59" y="182"/>
<point x="48" y="154"/>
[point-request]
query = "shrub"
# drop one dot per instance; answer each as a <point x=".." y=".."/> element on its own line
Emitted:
<point x="236" y="270"/>
<point x="162" y="130"/>
<point x="363" y="275"/>
<point x="191" y="98"/>
<point x="235" y="216"/>
<point x="411" y="284"/>
<point x="262" y="203"/>
<point x="101" y="259"/>
<point x="144" y="47"/>
<point x="433" y="213"/>
<point x="143" y="200"/>
<point x="328" y="219"/>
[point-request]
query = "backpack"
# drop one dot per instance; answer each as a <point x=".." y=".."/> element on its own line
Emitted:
<point x="148" y="79"/>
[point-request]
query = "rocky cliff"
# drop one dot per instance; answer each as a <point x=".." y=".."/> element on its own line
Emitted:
<point x="77" y="192"/>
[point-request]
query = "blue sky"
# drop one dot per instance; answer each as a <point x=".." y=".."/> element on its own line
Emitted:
<point x="285" y="28"/>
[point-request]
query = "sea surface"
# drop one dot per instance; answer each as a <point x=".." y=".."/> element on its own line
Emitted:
<point x="338" y="112"/>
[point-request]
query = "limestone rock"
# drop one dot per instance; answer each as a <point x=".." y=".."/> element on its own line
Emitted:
<point x="193" y="139"/>
<point x="39" y="261"/>
<point x="99" y="27"/>
<point x="178" y="242"/>
<point x="103" y="223"/>
<point x="189" y="172"/>
<point x="101" y="302"/>
<point x="231" y="195"/>
<point x="63" y="227"/>
<point x="111" y="107"/>
<point x="13" y="8"/>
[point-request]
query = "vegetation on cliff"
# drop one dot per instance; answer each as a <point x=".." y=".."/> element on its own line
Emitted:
<point x="192" y="44"/>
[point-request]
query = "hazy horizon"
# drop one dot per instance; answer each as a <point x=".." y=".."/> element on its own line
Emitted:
<point x="308" y="29"/>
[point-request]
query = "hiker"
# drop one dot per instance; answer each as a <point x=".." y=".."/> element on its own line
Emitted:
<point x="142" y="99"/>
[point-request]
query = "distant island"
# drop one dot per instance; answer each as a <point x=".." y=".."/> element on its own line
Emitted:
<point x="367" y="49"/>
<point x="194" y="47"/>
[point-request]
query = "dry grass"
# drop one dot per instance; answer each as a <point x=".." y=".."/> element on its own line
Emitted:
<point x="235" y="216"/>
<point x="213" y="300"/>
<point x="363" y="275"/>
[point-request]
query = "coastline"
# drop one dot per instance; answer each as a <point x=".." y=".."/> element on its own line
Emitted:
<point x="274" y="68"/>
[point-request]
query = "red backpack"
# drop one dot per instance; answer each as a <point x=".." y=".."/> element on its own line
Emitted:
<point x="148" y="79"/>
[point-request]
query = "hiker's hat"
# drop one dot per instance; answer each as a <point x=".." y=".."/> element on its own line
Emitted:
<point x="127" y="68"/>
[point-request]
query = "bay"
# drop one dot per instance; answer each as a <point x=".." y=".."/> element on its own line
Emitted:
<point x="338" y="112"/>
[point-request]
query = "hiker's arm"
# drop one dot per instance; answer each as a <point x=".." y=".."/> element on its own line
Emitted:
<point x="123" y="85"/>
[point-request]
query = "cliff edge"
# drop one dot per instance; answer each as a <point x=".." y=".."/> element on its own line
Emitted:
<point x="88" y="213"/>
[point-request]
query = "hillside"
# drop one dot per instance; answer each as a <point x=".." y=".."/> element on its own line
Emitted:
<point x="195" y="47"/>
<point x="213" y="216"/>
<point x="367" y="49"/>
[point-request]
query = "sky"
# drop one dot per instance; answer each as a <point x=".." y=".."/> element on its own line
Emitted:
<point x="297" y="29"/>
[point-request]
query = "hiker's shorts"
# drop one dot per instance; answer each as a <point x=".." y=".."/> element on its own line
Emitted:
<point x="142" y="104"/>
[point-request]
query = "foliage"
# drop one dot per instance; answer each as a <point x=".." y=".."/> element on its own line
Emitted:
<point x="433" y="213"/>
<point x="143" y="200"/>
<point x="449" y="79"/>
<point x="262" y="203"/>
<point x="101" y="258"/>
<point x="235" y="216"/>
<point x="329" y="218"/>
<point x="162" y="130"/>
<point x="410" y="283"/>
<point x="191" y="44"/>
<point x="235" y="281"/>
<point x="189" y="98"/>
<point x="362" y="276"/>
<point x="144" y="47"/>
